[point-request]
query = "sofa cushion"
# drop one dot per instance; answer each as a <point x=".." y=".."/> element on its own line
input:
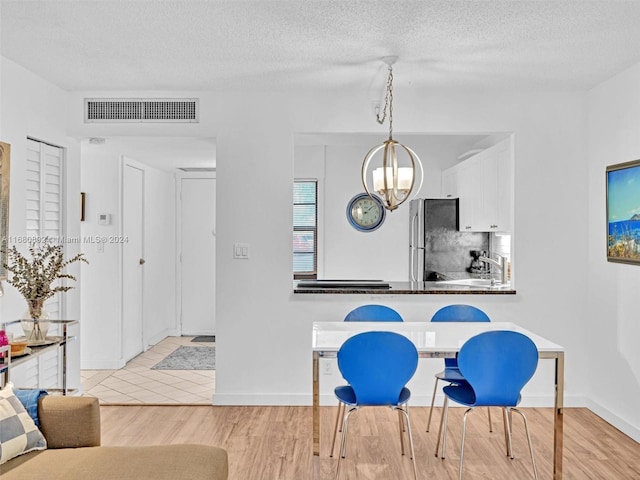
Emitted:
<point x="160" y="462"/>
<point x="18" y="432"/>
<point x="29" y="399"/>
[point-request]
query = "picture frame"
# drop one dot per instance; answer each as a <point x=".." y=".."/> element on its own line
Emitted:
<point x="623" y="212"/>
<point x="5" y="164"/>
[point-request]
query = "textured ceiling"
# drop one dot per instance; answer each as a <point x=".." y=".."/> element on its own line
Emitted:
<point x="284" y="45"/>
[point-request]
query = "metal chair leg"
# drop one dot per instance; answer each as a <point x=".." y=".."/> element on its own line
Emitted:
<point x="337" y="426"/>
<point x="400" y="425"/>
<point x="442" y="434"/>
<point x="505" y="422"/>
<point x="405" y="411"/>
<point x="508" y="429"/>
<point x="526" y="427"/>
<point x="343" y="441"/>
<point x="464" y="431"/>
<point x="490" y="423"/>
<point x="433" y="399"/>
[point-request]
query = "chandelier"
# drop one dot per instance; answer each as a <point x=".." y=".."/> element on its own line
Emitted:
<point x="394" y="183"/>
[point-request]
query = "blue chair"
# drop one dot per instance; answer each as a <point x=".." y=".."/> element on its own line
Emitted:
<point x="373" y="313"/>
<point x="363" y="313"/>
<point x="451" y="372"/>
<point x="496" y="365"/>
<point x="377" y="366"/>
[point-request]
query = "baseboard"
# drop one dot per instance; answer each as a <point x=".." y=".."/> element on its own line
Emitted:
<point x="161" y="336"/>
<point x="258" y="399"/>
<point x="528" y="401"/>
<point x="618" y="422"/>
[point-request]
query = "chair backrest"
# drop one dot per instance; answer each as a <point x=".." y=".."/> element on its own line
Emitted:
<point x="373" y="313"/>
<point x="377" y="365"/>
<point x="497" y="364"/>
<point x="459" y="313"/>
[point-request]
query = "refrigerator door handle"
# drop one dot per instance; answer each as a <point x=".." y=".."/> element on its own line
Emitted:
<point x="412" y="263"/>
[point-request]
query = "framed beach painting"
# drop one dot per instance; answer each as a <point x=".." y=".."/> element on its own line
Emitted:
<point x="623" y="212"/>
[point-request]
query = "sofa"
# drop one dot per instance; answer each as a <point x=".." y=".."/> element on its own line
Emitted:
<point x="71" y="427"/>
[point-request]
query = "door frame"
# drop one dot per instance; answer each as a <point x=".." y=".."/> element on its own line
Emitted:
<point x="179" y="176"/>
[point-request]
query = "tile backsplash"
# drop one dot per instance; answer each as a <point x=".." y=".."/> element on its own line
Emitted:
<point x="447" y="251"/>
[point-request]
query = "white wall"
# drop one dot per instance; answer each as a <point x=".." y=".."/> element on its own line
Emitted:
<point x="102" y="295"/>
<point x="349" y="253"/>
<point x="259" y="317"/>
<point x="264" y="331"/>
<point x="159" y="310"/>
<point x="613" y="324"/>
<point x="32" y="107"/>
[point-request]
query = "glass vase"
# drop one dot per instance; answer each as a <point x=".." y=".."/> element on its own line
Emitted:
<point x="35" y="323"/>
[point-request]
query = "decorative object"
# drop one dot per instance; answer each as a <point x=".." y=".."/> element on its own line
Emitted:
<point x="393" y="182"/>
<point x="34" y="279"/>
<point x="35" y="322"/>
<point x="365" y="212"/>
<point x="623" y="212"/>
<point x="5" y="161"/>
<point x="19" y="432"/>
<point x="19" y="348"/>
<point x="189" y="358"/>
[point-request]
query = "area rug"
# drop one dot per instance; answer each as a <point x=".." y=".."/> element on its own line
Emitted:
<point x="189" y="358"/>
<point x="204" y="338"/>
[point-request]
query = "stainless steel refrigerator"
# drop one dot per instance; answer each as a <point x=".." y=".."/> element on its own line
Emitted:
<point x="428" y="218"/>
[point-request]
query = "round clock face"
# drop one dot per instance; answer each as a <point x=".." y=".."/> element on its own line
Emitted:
<point x="365" y="213"/>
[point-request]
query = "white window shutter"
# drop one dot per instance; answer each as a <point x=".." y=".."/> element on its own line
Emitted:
<point x="44" y="218"/>
<point x="33" y="188"/>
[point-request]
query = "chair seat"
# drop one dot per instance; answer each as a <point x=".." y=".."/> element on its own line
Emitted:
<point x="463" y="394"/>
<point x="346" y="395"/>
<point x="452" y="375"/>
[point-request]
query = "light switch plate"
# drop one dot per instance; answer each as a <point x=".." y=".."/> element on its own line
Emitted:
<point x="241" y="250"/>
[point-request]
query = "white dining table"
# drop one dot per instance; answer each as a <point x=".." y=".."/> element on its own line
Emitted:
<point x="432" y="340"/>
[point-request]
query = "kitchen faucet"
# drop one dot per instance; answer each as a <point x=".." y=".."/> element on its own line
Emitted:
<point x="502" y="265"/>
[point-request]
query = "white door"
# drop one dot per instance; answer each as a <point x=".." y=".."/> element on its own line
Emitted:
<point x="198" y="247"/>
<point x="132" y="260"/>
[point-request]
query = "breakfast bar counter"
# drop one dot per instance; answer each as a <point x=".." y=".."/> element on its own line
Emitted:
<point x="380" y="287"/>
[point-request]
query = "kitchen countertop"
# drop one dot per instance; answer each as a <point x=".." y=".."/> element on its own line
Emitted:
<point x="398" y="288"/>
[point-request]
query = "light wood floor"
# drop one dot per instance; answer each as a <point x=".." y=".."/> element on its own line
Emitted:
<point x="274" y="443"/>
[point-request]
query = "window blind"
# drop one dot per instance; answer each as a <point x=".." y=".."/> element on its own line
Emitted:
<point x="305" y="235"/>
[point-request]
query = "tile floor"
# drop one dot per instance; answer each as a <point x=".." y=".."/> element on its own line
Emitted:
<point x="136" y="383"/>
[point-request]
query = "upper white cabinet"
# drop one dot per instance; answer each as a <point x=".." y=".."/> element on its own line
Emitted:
<point x="484" y="184"/>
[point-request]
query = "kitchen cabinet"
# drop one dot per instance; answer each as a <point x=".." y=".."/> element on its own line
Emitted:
<point x="484" y="185"/>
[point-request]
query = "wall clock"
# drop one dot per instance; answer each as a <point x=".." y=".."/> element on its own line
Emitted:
<point x="365" y="213"/>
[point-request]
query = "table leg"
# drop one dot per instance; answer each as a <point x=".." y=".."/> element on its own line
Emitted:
<point x="316" y="414"/>
<point x="558" y="418"/>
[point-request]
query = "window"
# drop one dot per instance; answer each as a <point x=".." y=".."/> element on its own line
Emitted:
<point x="305" y="231"/>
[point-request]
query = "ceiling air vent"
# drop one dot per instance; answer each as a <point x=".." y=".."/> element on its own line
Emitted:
<point x="138" y="110"/>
